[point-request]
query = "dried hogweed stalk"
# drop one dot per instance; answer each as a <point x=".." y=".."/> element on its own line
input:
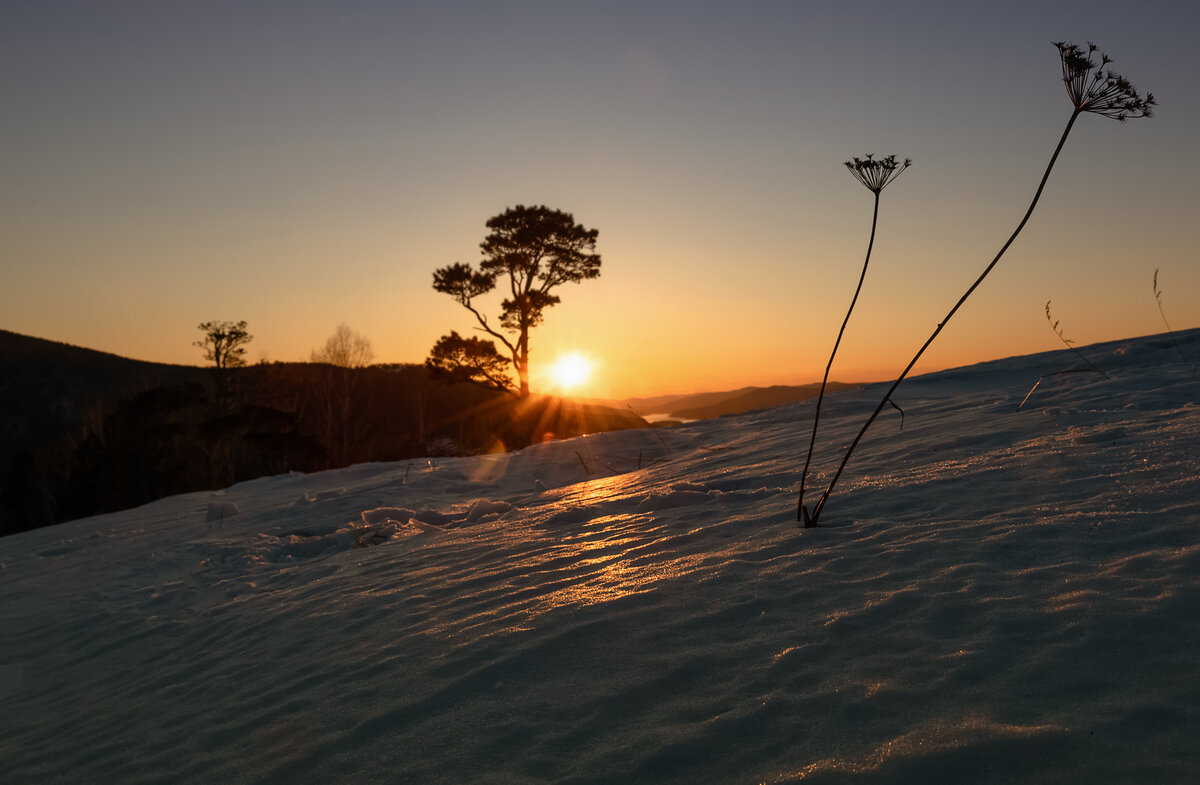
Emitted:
<point x="875" y="175"/>
<point x="1094" y="88"/>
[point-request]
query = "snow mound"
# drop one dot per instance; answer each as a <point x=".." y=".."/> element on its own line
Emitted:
<point x="994" y="596"/>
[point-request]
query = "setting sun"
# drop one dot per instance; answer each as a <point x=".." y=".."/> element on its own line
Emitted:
<point x="571" y="370"/>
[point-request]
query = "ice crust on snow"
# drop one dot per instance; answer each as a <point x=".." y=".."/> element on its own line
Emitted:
<point x="997" y="596"/>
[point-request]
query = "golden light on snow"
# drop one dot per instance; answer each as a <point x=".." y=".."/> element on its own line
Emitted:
<point x="608" y="567"/>
<point x="571" y="370"/>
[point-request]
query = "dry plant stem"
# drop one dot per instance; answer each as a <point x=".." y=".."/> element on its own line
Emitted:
<point x="1090" y="365"/>
<point x="1070" y="345"/>
<point x="816" y="514"/>
<point x="1163" y="314"/>
<point x="800" y="511"/>
<point x="1057" y="373"/>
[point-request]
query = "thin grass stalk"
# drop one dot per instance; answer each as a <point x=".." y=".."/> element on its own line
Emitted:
<point x="1067" y="342"/>
<point x="1057" y="373"/>
<point x="887" y="397"/>
<point x="801" y="511"/>
<point x="1163" y="314"/>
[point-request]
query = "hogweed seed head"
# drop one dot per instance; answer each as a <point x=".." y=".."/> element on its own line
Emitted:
<point x="876" y="175"/>
<point x="1094" y="87"/>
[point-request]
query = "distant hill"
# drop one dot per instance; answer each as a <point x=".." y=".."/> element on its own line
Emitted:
<point x="668" y="404"/>
<point x="47" y="386"/>
<point x="751" y="399"/>
<point x="703" y="406"/>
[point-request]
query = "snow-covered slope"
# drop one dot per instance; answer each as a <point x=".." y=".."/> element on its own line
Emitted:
<point x="998" y="596"/>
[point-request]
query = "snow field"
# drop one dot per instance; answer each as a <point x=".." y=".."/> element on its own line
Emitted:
<point x="998" y="596"/>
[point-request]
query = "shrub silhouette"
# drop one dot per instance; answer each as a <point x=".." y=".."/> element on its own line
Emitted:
<point x="456" y="359"/>
<point x="1093" y="88"/>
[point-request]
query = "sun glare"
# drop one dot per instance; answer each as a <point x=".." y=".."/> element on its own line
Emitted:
<point x="571" y="370"/>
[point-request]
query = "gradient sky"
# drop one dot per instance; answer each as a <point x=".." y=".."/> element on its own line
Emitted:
<point x="300" y="164"/>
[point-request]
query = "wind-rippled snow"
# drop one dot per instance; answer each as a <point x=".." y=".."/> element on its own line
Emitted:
<point x="998" y="596"/>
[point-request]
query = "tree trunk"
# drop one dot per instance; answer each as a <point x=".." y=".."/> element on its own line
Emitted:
<point x="523" y="361"/>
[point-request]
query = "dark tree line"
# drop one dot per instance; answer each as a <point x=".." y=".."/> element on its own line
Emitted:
<point x="177" y="438"/>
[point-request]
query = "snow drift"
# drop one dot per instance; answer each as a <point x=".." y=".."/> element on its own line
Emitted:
<point x="998" y="596"/>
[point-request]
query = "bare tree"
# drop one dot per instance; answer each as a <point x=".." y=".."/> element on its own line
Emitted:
<point x="342" y="393"/>
<point x="345" y="348"/>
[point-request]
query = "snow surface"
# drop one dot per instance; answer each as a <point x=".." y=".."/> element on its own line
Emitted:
<point x="998" y="596"/>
